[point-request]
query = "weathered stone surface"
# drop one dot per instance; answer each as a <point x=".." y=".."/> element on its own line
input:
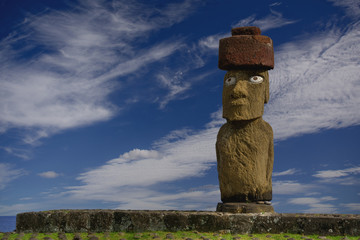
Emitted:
<point x="244" y="146"/>
<point x="246" y="52"/>
<point x="243" y="99"/>
<point x="307" y="224"/>
<point x="76" y="220"/>
<point x="245" y="161"/>
<point x="101" y="221"/>
<point x="239" y="207"/>
<point x="245" y="31"/>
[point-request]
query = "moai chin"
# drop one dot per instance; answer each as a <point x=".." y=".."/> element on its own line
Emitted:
<point x="244" y="147"/>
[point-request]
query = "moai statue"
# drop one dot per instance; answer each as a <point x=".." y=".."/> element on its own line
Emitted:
<point x="244" y="147"/>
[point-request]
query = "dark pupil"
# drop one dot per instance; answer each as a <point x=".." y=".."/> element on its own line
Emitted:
<point x="255" y="78"/>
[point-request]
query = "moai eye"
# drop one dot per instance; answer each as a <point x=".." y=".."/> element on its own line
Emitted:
<point x="256" y="79"/>
<point x="230" y="81"/>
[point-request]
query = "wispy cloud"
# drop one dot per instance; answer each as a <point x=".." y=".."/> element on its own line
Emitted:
<point x="195" y="200"/>
<point x="275" y="4"/>
<point x="175" y="84"/>
<point x="11" y="210"/>
<point x="308" y="200"/>
<point x="305" y="84"/>
<point x="18" y="152"/>
<point x="49" y="174"/>
<point x="291" y="171"/>
<point x="8" y="173"/>
<point x="178" y="156"/>
<point x="352" y="7"/>
<point x="73" y="58"/>
<point x="212" y="41"/>
<point x="352" y="206"/>
<point x="337" y="173"/>
<point x="273" y="20"/>
<point x="315" y="83"/>
<point x="316" y="205"/>
<point x="291" y="187"/>
<point x="342" y="176"/>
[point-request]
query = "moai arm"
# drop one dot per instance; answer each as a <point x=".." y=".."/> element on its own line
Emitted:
<point x="271" y="157"/>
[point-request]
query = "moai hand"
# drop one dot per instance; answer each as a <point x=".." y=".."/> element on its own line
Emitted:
<point x="244" y="144"/>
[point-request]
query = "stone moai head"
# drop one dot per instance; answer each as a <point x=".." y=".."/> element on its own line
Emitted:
<point x="247" y="56"/>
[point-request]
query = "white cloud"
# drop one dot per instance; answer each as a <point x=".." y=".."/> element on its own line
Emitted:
<point x="25" y="198"/>
<point x="273" y="20"/>
<point x="315" y="83"/>
<point x="311" y="201"/>
<point x="328" y="198"/>
<point x="49" y="174"/>
<point x="187" y="157"/>
<point x="337" y="173"/>
<point x="275" y="4"/>
<point x="18" y="152"/>
<point x="190" y="200"/>
<point x="315" y="74"/>
<point x="322" y="208"/>
<point x="346" y="176"/>
<point x="132" y="197"/>
<point x="180" y="155"/>
<point x="212" y="41"/>
<point x="67" y="84"/>
<point x="291" y="187"/>
<point x="176" y="12"/>
<point x="348" y="181"/>
<point x="312" y="194"/>
<point x="179" y="82"/>
<point x="175" y="84"/>
<point x="291" y="171"/>
<point x="303" y="201"/>
<point x="155" y="53"/>
<point x="306" y="83"/>
<point x="317" y="205"/>
<point x="11" y="210"/>
<point x="8" y="174"/>
<point x="352" y="206"/>
<point x="352" y="7"/>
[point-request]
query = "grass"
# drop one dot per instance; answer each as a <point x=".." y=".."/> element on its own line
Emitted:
<point x="167" y="235"/>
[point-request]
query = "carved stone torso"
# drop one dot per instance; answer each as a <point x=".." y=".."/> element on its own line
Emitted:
<point x="245" y="161"/>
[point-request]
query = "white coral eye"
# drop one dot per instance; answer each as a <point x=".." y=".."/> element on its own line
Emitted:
<point x="256" y="79"/>
<point x="230" y="81"/>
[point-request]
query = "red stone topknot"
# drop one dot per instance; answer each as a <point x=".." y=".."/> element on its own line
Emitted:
<point x="246" y="49"/>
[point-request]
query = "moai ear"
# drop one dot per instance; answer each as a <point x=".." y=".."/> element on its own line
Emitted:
<point x="267" y="91"/>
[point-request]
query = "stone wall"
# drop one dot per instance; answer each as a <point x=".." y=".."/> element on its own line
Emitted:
<point x="131" y="220"/>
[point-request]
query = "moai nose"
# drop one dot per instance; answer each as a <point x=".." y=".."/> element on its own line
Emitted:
<point x="240" y="90"/>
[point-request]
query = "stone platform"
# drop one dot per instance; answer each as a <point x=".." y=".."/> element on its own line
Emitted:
<point x="237" y="207"/>
<point x="132" y="220"/>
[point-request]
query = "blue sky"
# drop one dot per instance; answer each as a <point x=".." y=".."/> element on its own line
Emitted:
<point x="116" y="104"/>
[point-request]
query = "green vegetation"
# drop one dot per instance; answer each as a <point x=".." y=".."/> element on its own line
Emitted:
<point x="165" y="235"/>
